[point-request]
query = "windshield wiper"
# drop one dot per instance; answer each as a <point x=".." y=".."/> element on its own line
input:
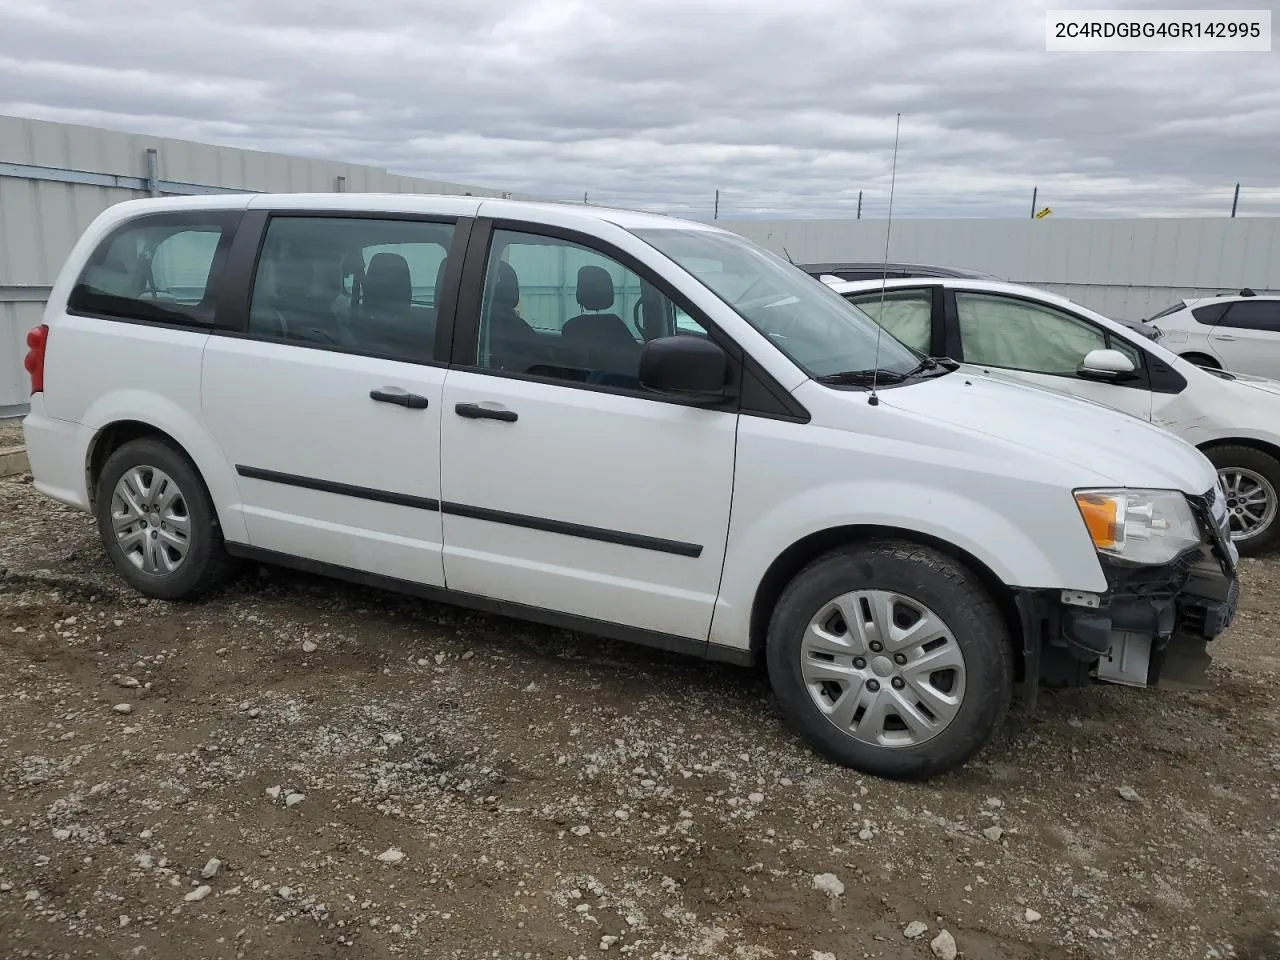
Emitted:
<point x="863" y="377"/>
<point x="868" y="377"/>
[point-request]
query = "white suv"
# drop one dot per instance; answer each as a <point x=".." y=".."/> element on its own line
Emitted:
<point x="624" y="424"/>
<point x="1240" y="333"/>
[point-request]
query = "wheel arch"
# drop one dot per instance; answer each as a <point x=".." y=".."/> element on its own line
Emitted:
<point x="808" y="548"/>
<point x="1262" y="446"/>
<point x="115" y="434"/>
<point x="111" y="438"/>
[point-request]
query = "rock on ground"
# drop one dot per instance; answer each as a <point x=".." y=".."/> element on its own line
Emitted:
<point x="829" y="884"/>
<point x="944" y="946"/>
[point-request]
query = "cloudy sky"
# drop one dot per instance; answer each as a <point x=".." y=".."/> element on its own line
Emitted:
<point x="786" y="106"/>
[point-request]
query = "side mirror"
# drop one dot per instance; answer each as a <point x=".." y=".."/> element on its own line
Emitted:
<point x="1106" y="365"/>
<point x="689" y="368"/>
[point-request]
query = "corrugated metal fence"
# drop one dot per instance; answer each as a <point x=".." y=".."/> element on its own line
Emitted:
<point x="1127" y="269"/>
<point x="56" y="177"/>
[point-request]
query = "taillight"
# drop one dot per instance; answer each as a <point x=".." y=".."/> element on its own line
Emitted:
<point x="37" y="338"/>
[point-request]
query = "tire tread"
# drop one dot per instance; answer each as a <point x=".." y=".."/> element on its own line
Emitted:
<point x="983" y="612"/>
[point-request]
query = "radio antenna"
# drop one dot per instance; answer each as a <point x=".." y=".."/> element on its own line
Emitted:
<point x="874" y="399"/>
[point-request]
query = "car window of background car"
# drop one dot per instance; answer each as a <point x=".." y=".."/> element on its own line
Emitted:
<point x="813" y="325"/>
<point x="906" y="314"/>
<point x="1253" y="315"/>
<point x="1021" y="335"/>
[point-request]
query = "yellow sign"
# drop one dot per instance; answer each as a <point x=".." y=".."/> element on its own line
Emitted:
<point x="1044" y="213"/>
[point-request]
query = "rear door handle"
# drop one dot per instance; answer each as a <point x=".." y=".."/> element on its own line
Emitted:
<point x="400" y="396"/>
<point x="1223" y="336"/>
<point x="473" y="411"/>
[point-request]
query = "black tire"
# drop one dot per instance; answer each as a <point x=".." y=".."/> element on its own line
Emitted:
<point x="1202" y="360"/>
<point x="1250" y="458"/>
<point x="206" y="564"/>
<point x="953" y="593"/>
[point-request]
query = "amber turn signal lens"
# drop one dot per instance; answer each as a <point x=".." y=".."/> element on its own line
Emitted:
<point x="1101" y="516"/>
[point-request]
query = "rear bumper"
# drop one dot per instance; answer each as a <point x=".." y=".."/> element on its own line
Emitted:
<point x="56" y="450"/>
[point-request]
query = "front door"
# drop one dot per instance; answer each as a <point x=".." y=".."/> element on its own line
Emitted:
<point x="1044" y="346"/>
<point x="565" y="487"/>
<point x="329" y="406"/>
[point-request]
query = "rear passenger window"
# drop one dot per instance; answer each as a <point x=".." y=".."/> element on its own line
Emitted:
<point x="366" y="286"/>
<point x="162" y="268"/>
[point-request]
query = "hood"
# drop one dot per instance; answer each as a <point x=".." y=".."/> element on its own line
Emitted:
<point x="1095" y="442"/>
<point x="1265" y="384"/>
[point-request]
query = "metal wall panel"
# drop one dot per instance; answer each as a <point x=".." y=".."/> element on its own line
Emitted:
<point x="1123" y="268"/>
<point x="41" y="219"/>
<point x="15" y="320"/>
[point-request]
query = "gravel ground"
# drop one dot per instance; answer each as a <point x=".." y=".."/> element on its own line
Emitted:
<point x="299" y="768"/>
<point x="10" y="433"/>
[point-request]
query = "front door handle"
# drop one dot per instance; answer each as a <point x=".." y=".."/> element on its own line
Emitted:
<point x="400" y="396"/>
<point x="473" y="411"/>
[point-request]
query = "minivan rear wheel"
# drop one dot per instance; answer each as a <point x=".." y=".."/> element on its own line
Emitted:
<point x="157" y="522"/>
<point x="891" y="658"/>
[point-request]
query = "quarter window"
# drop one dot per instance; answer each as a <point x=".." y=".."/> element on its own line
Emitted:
<point x="556" y="308"/>
<point x="161" y="268"/>
<point x="906" y="314"/>
<point x="366" y="286"/>
<point x="1020" y="335"/>
<point x="1254" y="315"/>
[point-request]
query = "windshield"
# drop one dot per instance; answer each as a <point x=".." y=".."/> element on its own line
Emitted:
<point x="817" y="328"/>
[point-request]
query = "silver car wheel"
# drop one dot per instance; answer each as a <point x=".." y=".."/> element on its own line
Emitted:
<point x="1251" y="501"/>
<point x="151" y="521"/>
<point x="883" y="668"/>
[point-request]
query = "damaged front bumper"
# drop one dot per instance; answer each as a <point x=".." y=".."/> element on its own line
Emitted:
<point x="1151" y="626"/>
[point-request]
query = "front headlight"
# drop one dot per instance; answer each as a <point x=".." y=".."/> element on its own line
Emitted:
<point x="1141" y="526"/>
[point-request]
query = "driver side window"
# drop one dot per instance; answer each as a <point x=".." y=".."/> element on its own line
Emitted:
<point x="1002" y="331"/>
<point x="555" y="308"/>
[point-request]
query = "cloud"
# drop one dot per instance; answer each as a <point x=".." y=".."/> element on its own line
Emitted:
<point x="787" y="108"/>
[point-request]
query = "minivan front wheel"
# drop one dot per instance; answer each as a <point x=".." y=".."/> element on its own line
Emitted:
<point x="892" y="658"/>
<point x="157" y="522"/>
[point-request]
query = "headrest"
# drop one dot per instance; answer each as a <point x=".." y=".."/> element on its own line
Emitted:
<point x="595" y="288"/>
<point x="506" y="289"/>
<point x="387" y="281"/>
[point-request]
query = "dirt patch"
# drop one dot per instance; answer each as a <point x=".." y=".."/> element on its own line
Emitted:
<point x="551" y="794"/>
<point x="10" y="433"/>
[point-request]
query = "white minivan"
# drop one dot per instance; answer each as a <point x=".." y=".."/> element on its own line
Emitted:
<point x="624" y="424"/>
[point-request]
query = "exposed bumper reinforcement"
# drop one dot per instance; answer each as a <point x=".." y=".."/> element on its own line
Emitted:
<point x="1152" y="626"/>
